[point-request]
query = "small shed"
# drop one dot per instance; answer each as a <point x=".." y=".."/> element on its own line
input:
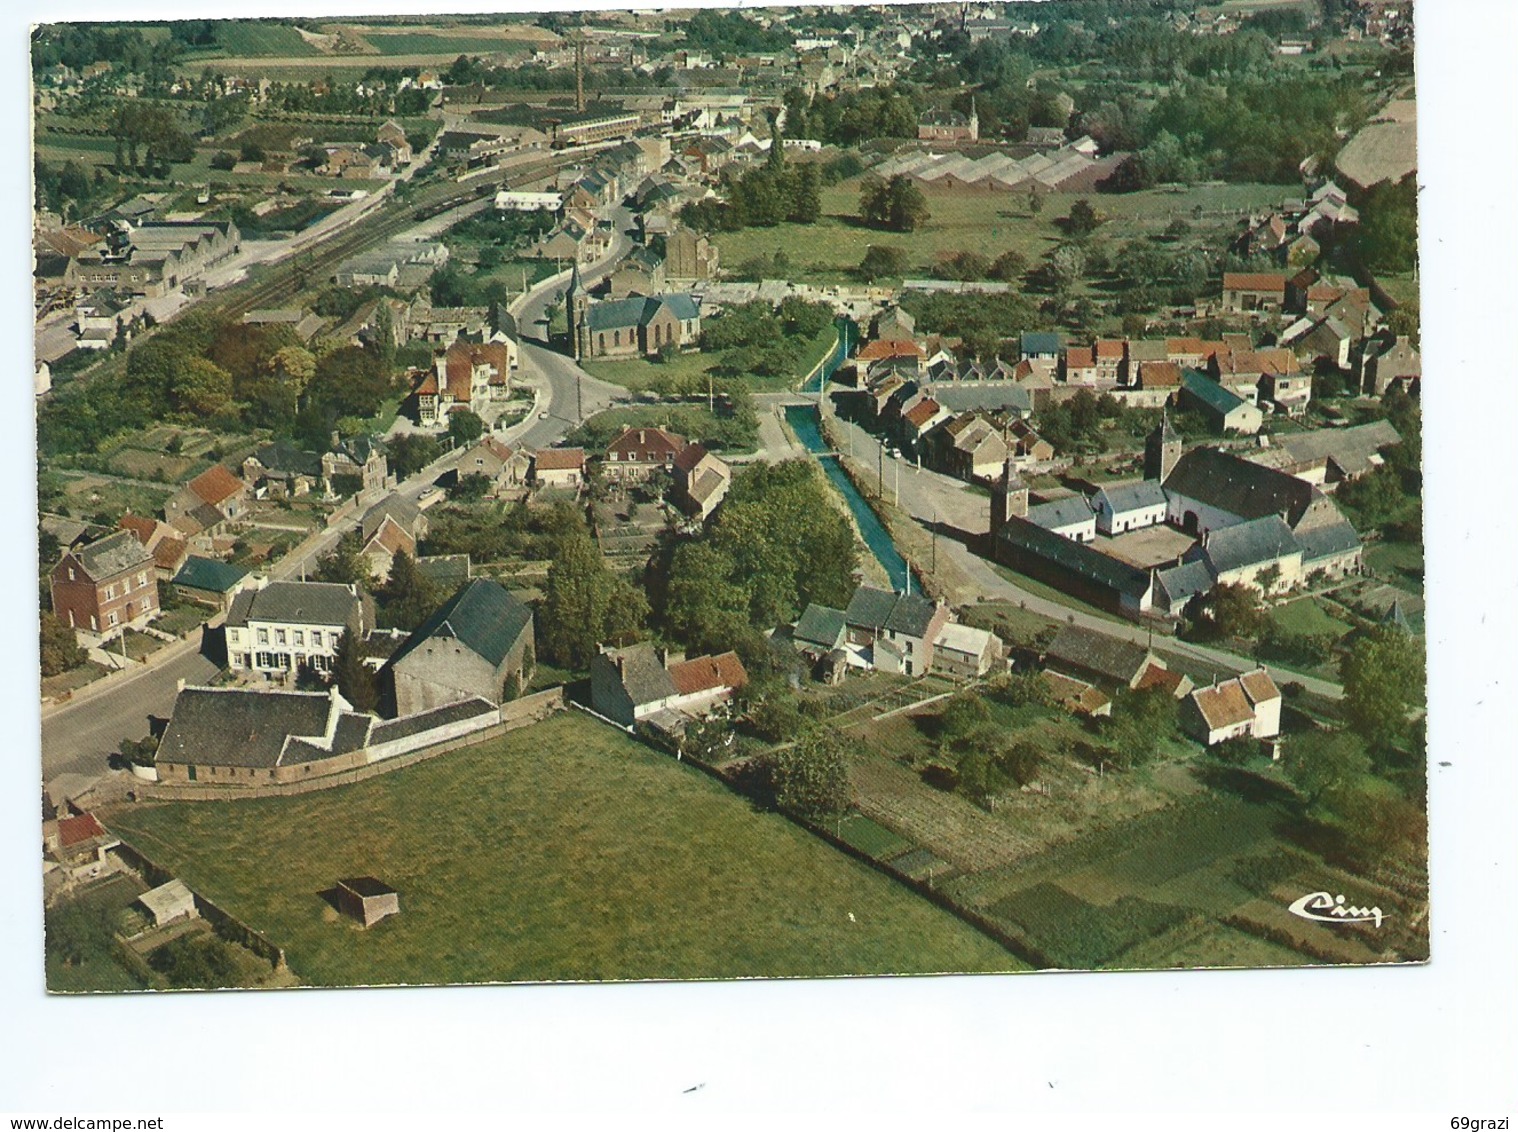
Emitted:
<point x="169" y="902"/>
<point x="209" y="582"/>
<point x="367" y="899"/>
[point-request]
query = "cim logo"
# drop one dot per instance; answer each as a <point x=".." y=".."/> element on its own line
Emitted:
<point x="1326" y="908"/>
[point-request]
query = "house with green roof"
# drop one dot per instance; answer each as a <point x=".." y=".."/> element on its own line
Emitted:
<point x="208" y="581"/>
<point x="1223" y="410"/>
<point x="475" y="644"/>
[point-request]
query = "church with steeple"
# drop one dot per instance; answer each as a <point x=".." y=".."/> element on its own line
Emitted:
<point x="577" y="312"/>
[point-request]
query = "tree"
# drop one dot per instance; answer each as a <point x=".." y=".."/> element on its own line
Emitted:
<point x="60" y="647"/>
<point x="1321" y="763"/>
<point x="465" y="427"/>
<point x="1011" y="265"/>
<point x="200" y="389"/>
<point x="1227" y="610"/>
<point x="470" y="488"/>
<point x="345" y="563"/>
<point x="964" y="715"/>
<point x="882" y="261"/>
<point x="1082" y="220"/>
<point x="355" y="679"/>
<point x="1382" y="674"/>
<point x="897" y="204"/>
<point x="810" y="777"/>
<point x="585" y="604"/>
<point x="202" y="962"/>
<point x="410" y="452"/>
<point x="407" y="596"/>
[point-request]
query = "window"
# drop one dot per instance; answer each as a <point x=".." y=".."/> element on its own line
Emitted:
<point x="110" y="618"/>
<point x="71" y="574"/>
<point x="279" y="637"/>
<point x="110" y="592"/>
<point x="234" y="636"/>
<point x="142" y="579"/>
<point x="263" y="636"/>
<point x="300" y="638"/>
<point x="316" y="637"/>
<point x="616" y="338"/>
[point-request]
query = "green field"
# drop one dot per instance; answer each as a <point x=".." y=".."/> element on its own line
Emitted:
<point x="1400" y="563"/>
<point x="562" y="851"/>
<point x="1306" y="617"/>
<point x="984" y="222"/>
<point x="437" y="43"/>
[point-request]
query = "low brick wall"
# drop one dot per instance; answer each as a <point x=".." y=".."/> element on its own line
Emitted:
<point x="227" y="926"/>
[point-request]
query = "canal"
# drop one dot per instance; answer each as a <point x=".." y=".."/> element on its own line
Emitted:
<point x="804" y="422"/>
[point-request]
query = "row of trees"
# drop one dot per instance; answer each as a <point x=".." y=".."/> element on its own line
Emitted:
<point x="761" y="197"/>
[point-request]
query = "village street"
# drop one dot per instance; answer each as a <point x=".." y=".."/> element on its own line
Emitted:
<point x="935" y="499"/>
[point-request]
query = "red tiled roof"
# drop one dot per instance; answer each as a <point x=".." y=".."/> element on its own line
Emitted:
<point x="689" y="456"/>
<point x="558" y="459"/>
<point x="890" y="348"/>
<point x="708" y="673"/>
<point x="646" y="445"/>
<point x="1075" y="695"/>
<point x="71" y="831"/>
<point x="1159" y="375"/>
<point x="1223" y="705"/>
<point x="1079" y="357"/>
<point x="216" y="484"/>
<point x="1259" y="687"/>
<point x="391" y="537"/>
<point x="1108" y="349"/>
<point x="1254" y="281"/>
<point x="1184" y="346"/>
<point x="921" y="413"/>
<point x="1157" y="677"/>
<point x="142" y="528"/>
<point x="462" y="358"/>
<point x="170" y="553"/>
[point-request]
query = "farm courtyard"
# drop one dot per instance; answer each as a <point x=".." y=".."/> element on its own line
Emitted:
<point x="564" y="851"/>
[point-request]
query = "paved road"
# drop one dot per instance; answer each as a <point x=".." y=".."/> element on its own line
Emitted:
<point x="930" y="497"/>
<point x="78" y="736"/>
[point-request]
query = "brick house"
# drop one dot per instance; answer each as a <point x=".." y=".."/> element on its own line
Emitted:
<point x="639" y="452"/>
<point x="105" y="587"/>
<point x="1253" y="291"/>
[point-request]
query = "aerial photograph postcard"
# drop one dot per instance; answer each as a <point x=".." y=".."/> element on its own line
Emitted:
<point x="690" y="494"/>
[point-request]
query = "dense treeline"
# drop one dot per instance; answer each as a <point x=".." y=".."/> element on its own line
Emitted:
<point x="852" y="117"/>
<point x="778" y="543"/>
<point x="728" y="33"/>
<point x="222" y="375"/>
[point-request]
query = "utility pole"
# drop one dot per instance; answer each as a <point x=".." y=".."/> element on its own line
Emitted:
<point x="896" y="480"/>
<point x="579" y="396"/>
<point x="580" y="71"/>
<point x="934" y="568"/>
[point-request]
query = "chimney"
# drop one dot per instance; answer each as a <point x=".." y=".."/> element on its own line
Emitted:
<point x="179" y="684"/>
<point x="661" y="654"/>
<point x="337" y="440"/>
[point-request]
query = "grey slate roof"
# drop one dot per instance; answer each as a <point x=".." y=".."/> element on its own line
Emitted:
<point x="447" y="570"/>
<point x="389" y="730"/>
<point x="1350" y="449"/>
<point x="819" y="625"/>
<point x="911" y="615"/>
<point x="242" y="727"/>
<point x="296" y="603"/>
<point x="621" y="314"/>
<point x="115" y="554"/>
<point x="1061" y="513"/>
<point x="1233" y="484"/>
<point x="984" y="396"/>
<point x="395" y="506"/>
<point x="283" y="456"/>
<point x="1326" y="541"/>
<point x="869" y="607"/>
<point x="483" y="616"/>
<point x="1124" y="497"/>
<point x="1249" y="543"/>
<point x="1076" y="558"/>
<point x="1116" y="659"/>
<point x="643" y="677"/>
<point x="1180" y="583"/>
<point x="1040" y="342"/>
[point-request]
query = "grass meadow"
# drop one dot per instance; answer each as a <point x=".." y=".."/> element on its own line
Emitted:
<point x="564" y="851"/>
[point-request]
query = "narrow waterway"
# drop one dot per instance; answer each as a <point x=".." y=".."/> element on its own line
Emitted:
<point x="804" y="421"/>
